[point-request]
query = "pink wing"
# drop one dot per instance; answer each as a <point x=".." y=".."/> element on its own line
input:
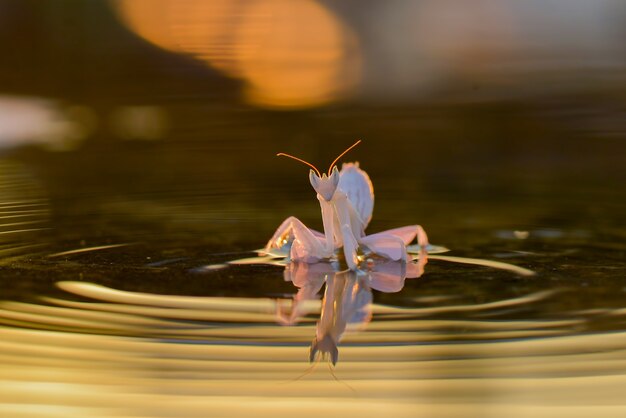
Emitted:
<point x="357" y="185"/>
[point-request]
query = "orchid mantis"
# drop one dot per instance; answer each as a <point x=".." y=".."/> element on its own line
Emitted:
<point x="346" y="200"/>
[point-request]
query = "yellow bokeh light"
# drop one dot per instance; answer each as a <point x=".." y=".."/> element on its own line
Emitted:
<point x="291" y="53"/>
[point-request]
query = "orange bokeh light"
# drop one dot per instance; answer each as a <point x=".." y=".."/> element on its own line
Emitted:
<point x="291" y="53"/>
<point x="304" y="55"/>
<point x="196" y="27"/>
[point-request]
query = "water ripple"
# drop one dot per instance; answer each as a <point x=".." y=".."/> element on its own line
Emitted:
<point x="105" y="352"/>
<point x="23" y="212"/>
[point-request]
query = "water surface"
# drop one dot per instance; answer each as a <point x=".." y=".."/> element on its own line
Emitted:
<point x="118" y="298"/>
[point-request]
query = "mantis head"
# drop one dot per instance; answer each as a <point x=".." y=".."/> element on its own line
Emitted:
<point x="324" y="184"/>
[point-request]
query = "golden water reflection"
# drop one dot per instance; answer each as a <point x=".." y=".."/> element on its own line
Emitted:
<point x="104" y="352"/>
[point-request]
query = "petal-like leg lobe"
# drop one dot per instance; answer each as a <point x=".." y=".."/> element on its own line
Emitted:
<point x="386" y="245"/>
<point x="407" y="234"/>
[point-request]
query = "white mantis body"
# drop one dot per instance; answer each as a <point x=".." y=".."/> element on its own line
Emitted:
<point x="347" y="200"/>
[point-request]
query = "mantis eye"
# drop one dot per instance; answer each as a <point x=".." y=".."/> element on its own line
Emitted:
<point x="314" y="179"/>
<point x="334" y="176"/>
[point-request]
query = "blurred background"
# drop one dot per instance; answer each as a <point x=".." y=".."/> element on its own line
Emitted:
<point x="155" y="69"/>
<point x="158" y="97"/>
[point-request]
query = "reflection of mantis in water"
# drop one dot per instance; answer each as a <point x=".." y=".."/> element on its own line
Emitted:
<point x="341" y="305"/>
<point x="347" y="298"/>
<point x="346" y="303"/>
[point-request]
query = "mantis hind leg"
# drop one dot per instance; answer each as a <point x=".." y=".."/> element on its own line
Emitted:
<point x="305" y="244"/>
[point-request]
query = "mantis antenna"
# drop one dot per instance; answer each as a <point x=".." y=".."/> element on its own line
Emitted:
<point x="339" y="381"/>
<point x="341" y="155"/>
<point x="301" y="160"/>
<point x="282" y="154"/>
<point x="306" y="372"/>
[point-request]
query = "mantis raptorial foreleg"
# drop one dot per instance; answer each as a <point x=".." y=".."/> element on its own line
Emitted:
<point x="349" y="229"/>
